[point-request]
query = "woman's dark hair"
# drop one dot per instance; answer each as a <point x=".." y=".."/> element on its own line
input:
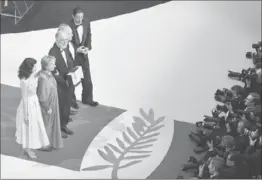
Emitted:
<point x="25" y="69"/>
<point x="77" y="10"/>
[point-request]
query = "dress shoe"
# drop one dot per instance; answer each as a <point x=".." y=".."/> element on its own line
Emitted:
<point x="93" y="103"/>
<point x="64" y="135"/>
<point x="73" y="112"/>
<point x="47" y="149"/>
<point x="75" y="106"/>
<point x="67" y="131"/>
<point x="30" y="154"/>
<point x="199" y="150"/>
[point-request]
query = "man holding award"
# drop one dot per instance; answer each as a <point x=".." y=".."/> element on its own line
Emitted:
<point x="78" y="75"/>
<point x="64" y="75"/>
<point x="82" y="42"/>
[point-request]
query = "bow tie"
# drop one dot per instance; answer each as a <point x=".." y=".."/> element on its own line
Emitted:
<point x="78" y="25"/>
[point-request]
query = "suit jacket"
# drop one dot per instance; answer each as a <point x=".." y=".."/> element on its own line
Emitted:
<point x="86" y="40"/>
<point x="62" y="78"/>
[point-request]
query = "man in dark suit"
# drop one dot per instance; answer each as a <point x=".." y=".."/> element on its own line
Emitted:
<point x="67" y="29"/>
<point x="64" y="65"/>
<point x="82" y="42"/>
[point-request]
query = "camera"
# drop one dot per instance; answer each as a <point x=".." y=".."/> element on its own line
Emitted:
<point x="223" y="96"/>
<point x="224" y="92"/>
<point x="221" y="108"/>
<point x="246" y="74"/>
<point x="215" y="112"/>
<point x="250" y="55"/>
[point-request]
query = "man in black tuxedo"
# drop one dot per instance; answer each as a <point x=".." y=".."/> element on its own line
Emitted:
<point x="82" y="42"/>
<point x="64" y="65"/>
<point x="67" y="29"/>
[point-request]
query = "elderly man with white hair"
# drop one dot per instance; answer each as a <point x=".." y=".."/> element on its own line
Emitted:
<point x="64" y="65"/>
<point x="68" y="31"/>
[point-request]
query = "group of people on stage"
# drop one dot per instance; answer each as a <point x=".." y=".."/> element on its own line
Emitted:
<point x="48" y="95"/>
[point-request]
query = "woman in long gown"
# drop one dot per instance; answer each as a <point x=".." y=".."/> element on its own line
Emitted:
<point x="48" y="98"/>
<point x="30" y="129"/>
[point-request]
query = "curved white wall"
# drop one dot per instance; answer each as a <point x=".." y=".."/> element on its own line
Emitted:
<point x="171" y="57"/>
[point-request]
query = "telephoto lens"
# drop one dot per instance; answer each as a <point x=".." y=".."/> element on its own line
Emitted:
<point x="260" y="43"/>
<point x="249" y="55"/>
<point x="255" y="46"/>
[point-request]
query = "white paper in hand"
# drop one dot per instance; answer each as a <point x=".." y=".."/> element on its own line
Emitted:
<point x="77" y="76"/>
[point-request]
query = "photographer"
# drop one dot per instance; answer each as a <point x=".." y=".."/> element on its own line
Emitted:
<point x="231" y="137"/>
<point x="253" y="156"/>
<point x="193" y="163"/>
<point x="242" y="138"/>
<point x="235" y="168"/>
<point x="213" y="166"/>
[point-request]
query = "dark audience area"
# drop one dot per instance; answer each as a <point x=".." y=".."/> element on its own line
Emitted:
<point x="230" y="140"/>
<point x="47" y="14"/>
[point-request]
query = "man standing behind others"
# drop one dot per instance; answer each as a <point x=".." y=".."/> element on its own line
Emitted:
<point x="82" y="42"/>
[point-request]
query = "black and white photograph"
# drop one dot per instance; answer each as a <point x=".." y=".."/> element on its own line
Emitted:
<point x="130" y="89"/>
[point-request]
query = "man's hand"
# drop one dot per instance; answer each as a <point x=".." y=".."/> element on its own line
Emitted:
<point x="228" y="127"/>
<point x="248" y="83"/>
<point x="210" y="145"/>
<point x="81" y="49"/>
<point x="201" y="170"/>
<point x="252" y="142"/>
<point x="86" y="51"/>
<point x="229" y="107"/>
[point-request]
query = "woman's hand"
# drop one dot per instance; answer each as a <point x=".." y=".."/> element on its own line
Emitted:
<point x="49" y="111"/>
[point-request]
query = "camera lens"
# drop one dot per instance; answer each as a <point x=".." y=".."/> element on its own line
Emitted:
<point x="249" y="55"/>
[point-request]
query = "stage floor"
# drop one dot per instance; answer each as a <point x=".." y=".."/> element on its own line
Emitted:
<point x="171" y="58"/>
<point x="87" y="124"/>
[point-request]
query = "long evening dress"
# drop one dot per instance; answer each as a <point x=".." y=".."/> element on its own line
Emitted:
<point x="33" y="134"/>
<point x="48" y="98"/>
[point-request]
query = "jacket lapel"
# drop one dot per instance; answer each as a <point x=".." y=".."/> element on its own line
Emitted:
<point x="74" y="29"/>
<point x="84" y="34"/>
<point x="75" y="33"/>
<point x="71" y="50"/>
<point x="60" y="60"/>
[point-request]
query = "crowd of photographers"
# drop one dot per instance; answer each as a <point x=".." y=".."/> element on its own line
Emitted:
<point x="230" y="139"/>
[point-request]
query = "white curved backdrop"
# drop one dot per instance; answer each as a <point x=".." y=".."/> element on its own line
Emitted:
<point x="171" y="58"/>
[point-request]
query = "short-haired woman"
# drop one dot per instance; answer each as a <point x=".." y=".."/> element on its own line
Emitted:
<point x="48" y="98"/>
<point x="30" y="129"/>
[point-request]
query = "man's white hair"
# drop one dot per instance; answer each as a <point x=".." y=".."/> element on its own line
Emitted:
<point x="60" y="35"/>
<point x="64" y="27"/>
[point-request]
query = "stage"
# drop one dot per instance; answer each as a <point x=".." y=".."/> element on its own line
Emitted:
<point x="162" y="64"/>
